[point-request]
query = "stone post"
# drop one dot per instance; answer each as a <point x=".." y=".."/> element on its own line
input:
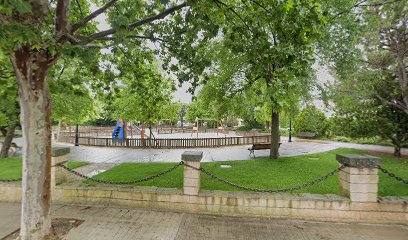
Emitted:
<point x="59" y="154"/>
<point x="359" y="180"/>
<point x="191" y="179"/>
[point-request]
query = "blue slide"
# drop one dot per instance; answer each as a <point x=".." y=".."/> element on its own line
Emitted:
<point x="119" y="133"/>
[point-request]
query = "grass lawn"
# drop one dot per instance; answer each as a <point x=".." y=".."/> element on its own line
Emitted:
<point x="73" y="164"/>
<point x="264" y="173"/>
<point x="11" y="168"/>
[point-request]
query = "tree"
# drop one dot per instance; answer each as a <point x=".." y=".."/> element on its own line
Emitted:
<point x="274" y="43"/>
<point x="312" y="119"/>
<point x="371" y="88"/>
<point x="171" y="111"/>
<point x="73" y="101"/>
<point x="9" y="107"/>
<point x="35" y="34"/>
<point x="144" y="97"/>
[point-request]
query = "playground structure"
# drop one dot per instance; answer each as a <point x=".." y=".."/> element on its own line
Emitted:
<point x="220" y="127"/>
<point x="125" y="135"/>
<point x="120" y="133"/>
<point x="199" y="122"/>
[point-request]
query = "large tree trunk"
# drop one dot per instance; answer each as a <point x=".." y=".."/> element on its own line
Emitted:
<point x="3" y="131"/>
<point x="275" y="135"/>
<point x="397" y="146"/>
<point x="31" y="67"/>
<point x="397" y="151"/>
<point x="7" y="141"/>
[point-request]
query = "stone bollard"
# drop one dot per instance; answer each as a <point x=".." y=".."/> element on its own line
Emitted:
<point x="359" y="180"/>
<point x="58" y="175"/>
<point x="191" y="179"/>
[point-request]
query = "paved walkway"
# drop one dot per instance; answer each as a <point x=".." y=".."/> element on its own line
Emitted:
<point x="120" y="155"/>
<point x="121" y="223"/>
<point x="296" y="148"/>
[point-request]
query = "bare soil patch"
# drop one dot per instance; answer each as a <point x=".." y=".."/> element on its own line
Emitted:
<point x="61" y="227"/>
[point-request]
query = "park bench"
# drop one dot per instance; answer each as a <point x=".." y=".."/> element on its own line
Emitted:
<point x="307" y="134"/>
<point x="259" y="146"/>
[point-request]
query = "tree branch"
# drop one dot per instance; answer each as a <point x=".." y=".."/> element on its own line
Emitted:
<point x="132" y="36"/>
<point x="233" y="11"/>
<point x="395" y="104"/>
<point x="61" y="16"/>
<point x="139" y="23"/>
<point x="91" y="16"/>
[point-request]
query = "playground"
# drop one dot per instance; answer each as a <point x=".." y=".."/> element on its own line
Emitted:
<point x="200" y="129"/>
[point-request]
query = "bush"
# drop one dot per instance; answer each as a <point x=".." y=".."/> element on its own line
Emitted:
<point x="312" y="119"/>
<point x="284" y="132"/>
<point x="244" y="128"/>
<point x="342" y="139"/>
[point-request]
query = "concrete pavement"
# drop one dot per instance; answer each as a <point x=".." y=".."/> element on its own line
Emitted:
<point x="122" y="223"/>
<point x="296" y="148"/>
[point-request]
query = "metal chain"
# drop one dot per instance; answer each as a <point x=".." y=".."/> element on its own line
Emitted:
<point x="392" y="175"/>
<point x="289" y="189"/>
<point x="120" y="183"/>
<point x="10" y="180"/>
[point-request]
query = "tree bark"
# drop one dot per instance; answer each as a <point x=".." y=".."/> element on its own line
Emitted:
<point x="31" y="67"/>
<point x="397" y="151"/>
<point x="397" y="146"/>
<point x="3" y="131"/>
<point x="7" y="141"/>
<point x="275" y="136"/>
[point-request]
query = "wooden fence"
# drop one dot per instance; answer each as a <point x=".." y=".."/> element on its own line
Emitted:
<point x="167" y="143"/>
<point x="101" y="133"/>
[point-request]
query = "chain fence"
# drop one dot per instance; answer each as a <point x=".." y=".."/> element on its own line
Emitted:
<point x="392" y="175"/>
<point x="119" y="182"/>
<point x="10" y="180"/>
<point x="288" y="189"/>
<point x="215" y="177"/>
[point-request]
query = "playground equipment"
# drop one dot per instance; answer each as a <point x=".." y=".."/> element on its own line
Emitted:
<point x="195" y="127"/>
<point x="220" y="127"/>
<point x="120" y="132"/>
<point x="164" y="122"/>
<point x="123" y="128"/>
<point x="202" y="122"/>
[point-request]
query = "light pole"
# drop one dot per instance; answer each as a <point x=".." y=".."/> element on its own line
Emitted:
<point x="290" y="130"/>
<point x="76" y="136"/>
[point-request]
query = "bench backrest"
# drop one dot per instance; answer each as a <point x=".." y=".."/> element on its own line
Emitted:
<point x="259" y="146"/>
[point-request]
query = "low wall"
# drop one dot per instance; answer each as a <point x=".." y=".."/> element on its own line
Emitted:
<point x="298" y="206"/>
<point x="358" y="184"/>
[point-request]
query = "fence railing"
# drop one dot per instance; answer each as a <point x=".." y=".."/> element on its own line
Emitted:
<point x="103" y="133"/>
<point x="166" y="142"/>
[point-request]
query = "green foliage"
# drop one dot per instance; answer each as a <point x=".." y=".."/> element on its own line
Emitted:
<point x="72" y="99"/>
<point x="171" y="111"/>
<point x="311" y="119"/>
<point x="370" y="92"/>
<point x="9" y="104"/>
<point x="72" y="108"/>
<point x="145" y="94"/>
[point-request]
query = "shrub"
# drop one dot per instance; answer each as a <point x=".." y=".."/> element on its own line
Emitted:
<point x="312" y="119"/>
<point x="342" y="139"/>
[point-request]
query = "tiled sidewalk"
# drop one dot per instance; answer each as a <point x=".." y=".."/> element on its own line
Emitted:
<point x="122" y="223"/>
